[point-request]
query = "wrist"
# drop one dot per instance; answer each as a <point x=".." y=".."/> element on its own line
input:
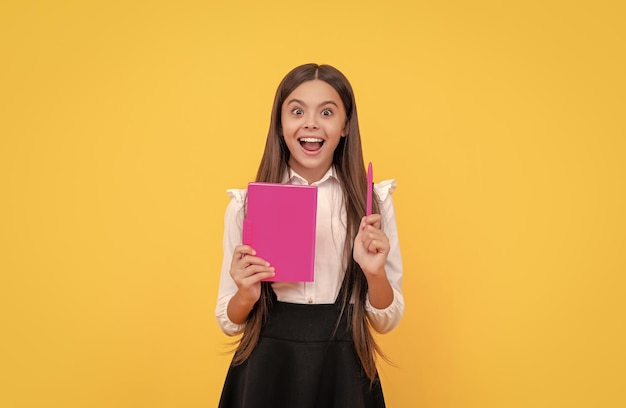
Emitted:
<point x="242" y="301"/>
<point x="374" y="275"/>
<point x="239" y="308"/>
<point x="379" y="291"/>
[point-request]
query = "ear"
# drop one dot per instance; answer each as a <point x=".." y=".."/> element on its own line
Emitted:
<point x="346" y="130"/>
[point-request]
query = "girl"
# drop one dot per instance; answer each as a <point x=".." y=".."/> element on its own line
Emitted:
<point x="310" y="344"/>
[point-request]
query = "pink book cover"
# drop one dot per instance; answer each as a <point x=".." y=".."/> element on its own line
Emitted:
<point x="280" y="226"/>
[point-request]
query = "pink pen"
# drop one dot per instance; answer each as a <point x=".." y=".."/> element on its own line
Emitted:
<point x="370" y="186"/>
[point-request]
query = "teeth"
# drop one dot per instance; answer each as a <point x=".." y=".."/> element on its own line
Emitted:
<point x="311" y="140"/>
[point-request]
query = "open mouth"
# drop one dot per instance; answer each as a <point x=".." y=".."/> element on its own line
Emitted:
<point x="311" y="144"/>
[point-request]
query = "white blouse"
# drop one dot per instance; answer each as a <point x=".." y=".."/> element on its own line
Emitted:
<point x="329" y="270"/>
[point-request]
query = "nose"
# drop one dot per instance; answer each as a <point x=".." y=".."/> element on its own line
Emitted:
<point x="310" y="123"/>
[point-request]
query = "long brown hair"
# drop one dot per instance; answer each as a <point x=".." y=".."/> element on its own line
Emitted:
<point x="350" y="170"/>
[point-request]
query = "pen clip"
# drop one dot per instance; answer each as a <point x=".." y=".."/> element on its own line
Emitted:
<point x="370" y="187"/>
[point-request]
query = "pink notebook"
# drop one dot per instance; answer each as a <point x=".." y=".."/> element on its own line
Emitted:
<point x="280" y="226"/>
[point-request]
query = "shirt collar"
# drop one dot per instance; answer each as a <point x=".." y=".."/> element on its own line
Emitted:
<point x="291" y="177"/>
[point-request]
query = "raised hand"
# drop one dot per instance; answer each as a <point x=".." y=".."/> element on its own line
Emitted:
<point x="371" y="246"/>
<point x="248" y="270"/>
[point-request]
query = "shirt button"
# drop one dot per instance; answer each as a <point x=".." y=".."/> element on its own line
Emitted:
<point x="310" y="300"/>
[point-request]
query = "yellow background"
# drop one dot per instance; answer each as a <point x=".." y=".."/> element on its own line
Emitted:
<point x="123" y="123"/>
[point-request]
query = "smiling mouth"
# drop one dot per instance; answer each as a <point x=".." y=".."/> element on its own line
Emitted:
<point x="311" y="144"/>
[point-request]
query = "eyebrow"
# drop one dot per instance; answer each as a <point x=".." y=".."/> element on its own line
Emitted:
<point x="302" y="102"/>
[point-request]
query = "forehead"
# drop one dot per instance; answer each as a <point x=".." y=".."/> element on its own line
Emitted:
<point x="314" y="92"/>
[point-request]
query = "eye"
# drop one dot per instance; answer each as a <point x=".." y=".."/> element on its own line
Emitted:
<point x="327" y="112"/>
<point x="297" y="111"/>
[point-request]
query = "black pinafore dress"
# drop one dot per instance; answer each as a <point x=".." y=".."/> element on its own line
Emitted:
<point x="301" y="361"/>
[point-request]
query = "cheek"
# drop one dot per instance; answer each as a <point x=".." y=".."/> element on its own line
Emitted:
<point x="337" y="128"/>
<point x="289" y="127"/>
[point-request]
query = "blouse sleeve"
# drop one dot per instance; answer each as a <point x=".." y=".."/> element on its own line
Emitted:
<point x="233" y="222"/>
<point x="384" y="320"/>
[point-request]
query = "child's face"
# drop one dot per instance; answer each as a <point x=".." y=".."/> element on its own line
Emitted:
<point x="314" y="120"/>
